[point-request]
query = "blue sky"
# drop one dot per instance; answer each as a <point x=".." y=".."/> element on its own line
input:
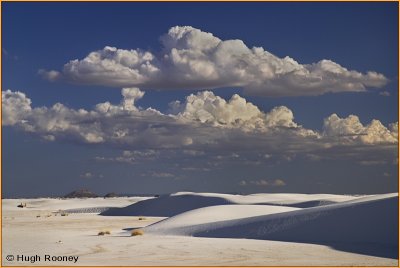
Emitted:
<point x="360" y="37"/>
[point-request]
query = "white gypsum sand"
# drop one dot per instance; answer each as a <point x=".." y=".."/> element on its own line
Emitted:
<point x="221" y="221"/>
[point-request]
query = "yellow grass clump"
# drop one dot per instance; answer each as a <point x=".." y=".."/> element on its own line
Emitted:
<point x="104" y="232"/>
<point x="137" y="232"/>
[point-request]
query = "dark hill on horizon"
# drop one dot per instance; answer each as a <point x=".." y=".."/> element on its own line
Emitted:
<point x="81" y="193"/>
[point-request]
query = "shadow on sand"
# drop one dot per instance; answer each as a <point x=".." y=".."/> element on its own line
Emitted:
<point x="369" y="228"/>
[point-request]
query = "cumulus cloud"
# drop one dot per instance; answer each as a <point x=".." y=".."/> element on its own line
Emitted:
<point x="203" y="122"/>
<point x="121" y="124"/>
<point x="194" y="59"/>
<point x="207" y="108"/>
<point x="350" y="129"/>
<point x="15" y="106"/>
<point x="130" y="95"/>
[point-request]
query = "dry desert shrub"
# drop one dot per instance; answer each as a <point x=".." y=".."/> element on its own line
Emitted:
<point x="104" y="232"/>
<point x="137" y="232"/>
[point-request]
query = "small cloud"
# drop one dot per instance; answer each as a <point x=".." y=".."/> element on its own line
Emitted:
<point x="120" y="159"/>
<point x="49" y="137"/>
<point x="279" y="182"/>
<point x="87" y="175"/>
<point x="51" y="76"/>
<point x="372" y="162"/>
<point x="187" y="141"/>
<point x="228" y="156"/>
<point x="193" y="152"/>
<point x="252" y="162"/>
<point x="384" y="93"/>
<point x="263" y="183"/>
<point x="267" y="156"/>
<point x="313" y="157"/>
<point x="260" y="183"/>
<point x="195" y="169"/>
<point x="288" y="157"/>
<point x="91" y="175"/>
<point x="127" y="153"/>
<point x="131" y="157"/>
<point x="146" y="154"/>
<point x="160" y="174"/>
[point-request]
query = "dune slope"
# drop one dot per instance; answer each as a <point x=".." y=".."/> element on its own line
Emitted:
<point x="193" y="221"/>
<point x="370" y="221"/>
<point x="166" y="206"/>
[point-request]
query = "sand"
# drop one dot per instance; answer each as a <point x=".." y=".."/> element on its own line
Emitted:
<point x="75" y="235"/>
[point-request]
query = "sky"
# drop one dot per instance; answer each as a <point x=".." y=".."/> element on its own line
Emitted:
<point x="154" y="98"/>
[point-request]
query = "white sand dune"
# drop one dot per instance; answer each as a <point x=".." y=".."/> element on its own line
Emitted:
<point x="279" y="229"/>
<point x="74" y="205"/>
<point x="259" y="221"/>
<point x="333" y="220"/>
<point x="187" y="223"/>
<point x="173" y="204"/>
<point x="371" y="220"/>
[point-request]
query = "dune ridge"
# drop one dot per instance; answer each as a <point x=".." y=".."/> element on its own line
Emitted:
<point x="362" y="224"/>
<point x="173" y="204"/>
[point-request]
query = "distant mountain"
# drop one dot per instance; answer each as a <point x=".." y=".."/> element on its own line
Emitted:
<point x="80" y="194"/>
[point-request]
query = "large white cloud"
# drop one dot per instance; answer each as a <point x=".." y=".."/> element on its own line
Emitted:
<point x="205" y="107"/>
<point x="194" y="59"/>
<point x="350" y="129"/>
<point x="203" y="122"/>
